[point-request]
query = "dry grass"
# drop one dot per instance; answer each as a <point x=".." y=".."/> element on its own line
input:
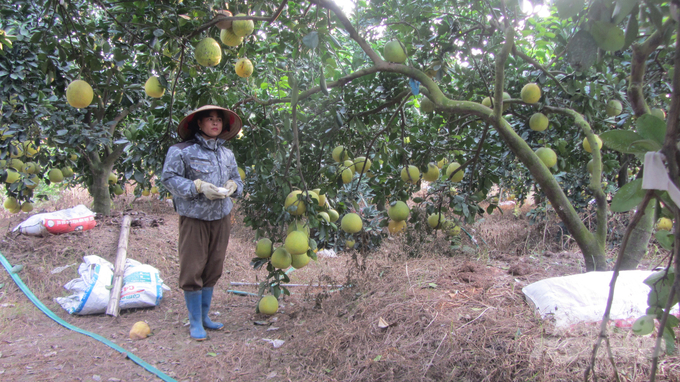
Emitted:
<point x="454" y="317"/>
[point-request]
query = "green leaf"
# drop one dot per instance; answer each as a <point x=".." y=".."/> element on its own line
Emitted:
<point x="608" y="36"/>
<point x="651" y="127"/>
<point x="645" y="145"/>
<point x="628" y="197"/>
<point x="620" y="140"/>
<point x="212" y="354"/>
<point x="632" y="30"/>
<point x="378" y="358"/>
<point x="311" y="40"/>
<point x="16" y="269"/>
<point x="582" y="51"/>
<point x="669" y="339"/>
<point x="665" y="238"/>
<point x="569" y="8"/>
<point x="622" y="9"/>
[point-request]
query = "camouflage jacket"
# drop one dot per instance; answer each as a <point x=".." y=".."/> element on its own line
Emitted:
<point x="203" y="159"/>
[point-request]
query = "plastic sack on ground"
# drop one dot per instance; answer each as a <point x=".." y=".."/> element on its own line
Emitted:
<point x="78" y="218"/>
<point x="582" y="298"/>
<point x="142" y="287"/>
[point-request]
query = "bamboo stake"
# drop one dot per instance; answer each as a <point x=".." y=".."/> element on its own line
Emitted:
<point x="113" y="307"/>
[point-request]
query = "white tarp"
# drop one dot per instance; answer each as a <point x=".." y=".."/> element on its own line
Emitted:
<point x="583" y="298"/>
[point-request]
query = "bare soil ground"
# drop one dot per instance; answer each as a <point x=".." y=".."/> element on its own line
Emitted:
<point x="451" y="316"/>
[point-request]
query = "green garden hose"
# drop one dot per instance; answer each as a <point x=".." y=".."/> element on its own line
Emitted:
<point x="65" y="324"/>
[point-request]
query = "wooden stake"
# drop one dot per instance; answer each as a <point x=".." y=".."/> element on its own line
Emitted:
<point x="113" y="308"/>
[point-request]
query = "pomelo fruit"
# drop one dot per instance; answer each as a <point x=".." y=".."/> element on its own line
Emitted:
<point x="208" y="52"/>
<point x="410" y="174"/>
<point x="228" y="38"/>
<point x="435" y="220"/>
<point x="426" y="106"/>
<point x="30" y="167"/>
<point x="242" y="27"/>
<point x="361" y="164"/>
<point x="293" y="205"/>
<point x="55" y="175"/>
<point x="66" y="171"/>
<point x="153" y="87"/>
<point x="547" y="156"/>
<point x="395" y="227"/>
<point x="538" y="122"/>
<point x="264" y="248"/>
<point x="140" y="330"/>
<point x="333" y="214"/>
<point x="457" y="177"/>
<point x="644" y="325"/>
<point x="281" y="258"/>
<point x="26" y="207"/>
<point x="399" y="211"/>
<point x="297" y="243"/>
<point x="113" y="178"/>
<point x="268" y="305"/>
<point x="242" y="174"/>
<point x="347" y="175"/>
<point x="118" y="190"/>
<point x="659" y="113"/>
<point x="10" y="203"/>
<point x="146" y="192"/>
<point x="351" y="223"/>
<point x="613" y="108"/>
<point x="393" y="51"/>
<point x="300" y="261"/>
<point x="224" y="24"/>
<point x="432" y="173"/>
<point x="79" y="94"/>
<point x="244" y="68"/>
<point x="154" y="190"/>
<point x="349" y="244"/>
<point x="531" y="93"/>
<point x="665" y="224"/>
<point x="340" y="154"/>
<point x="586" y="144"/>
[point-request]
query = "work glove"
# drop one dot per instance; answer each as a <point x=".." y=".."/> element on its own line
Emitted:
<point x="208" y="189"/>
<point x="230" y="187"/>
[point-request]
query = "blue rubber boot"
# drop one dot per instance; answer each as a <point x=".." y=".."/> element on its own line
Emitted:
<point x="193" y="300"/>
<point x="206" y="298"/>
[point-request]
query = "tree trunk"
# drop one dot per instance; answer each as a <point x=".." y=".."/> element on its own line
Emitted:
<point x="639" y="240"/>
<point x="100" y="191"/>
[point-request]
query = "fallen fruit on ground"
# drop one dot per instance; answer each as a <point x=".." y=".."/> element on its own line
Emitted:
<point x="547" y="156"/>
<point x="281" y="258"/>
<point x="613" y="108"/>
<point x="153" y="87"/>
<point x="264" y="248"/>
<point x="393" y="51"/>
<point x="351" y="223"/>
<point x="530" y="93"/>
<point x="586" y="144"/>
<point x="244" y="68"/>
<point x="399" y="211"/>
<point x="208" y="52"/>
<point x="79" y="94"/>
<point x="140" y="330"/>
<point x="538" y="122"/>
<point x="268" y="305"/>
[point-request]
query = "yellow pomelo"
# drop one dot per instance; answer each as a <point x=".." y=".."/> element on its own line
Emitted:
<point x="333" y="214"/>
<point x="154" y="190"/>
<point x="27" y="207"/>
<point x="351" y="223"/>
<point x="538" y="122"/>
<point x="347" y="175"/>
<point x="140" y="330"/>
<point x="340" y="154"/>
<point x="412" y="176"/>
<point x="663" y="223"/>
<point x="432" y="173"/>
<point x="244" y="68"/>
<point x="153" y="87"/>
<point x="30" y="150"/>
<point x="457" y="177"/>
<point x="613" y="108"/>
<point x="547" y="156"/>
<point x="264" y="248"/>
<point x="324" y="216"/>
<point x="66" y="171"/>
<point x="118" y="190"/>
<point x="242" y="27"/>
<point x="281" y="258"/>
<point x="300" y="261"/>
<point x="10" y="203"/>
<point x="146" y="192"/>
<point x="589" y="166"/>
<point x="426" y="106"/>
<point x="296" y="243"/>
<point x="659" y="113"/>
<point x="16" y="164"/>
<point x="530" y="93"/>
<point x="361" y="164"/>
<point x="294" y="206"/>
<point x="73" y="157"/>
<point x="298" y="225"/>
<point x="228" y="38"/>
<point x="208" y="52"/>
<point x="323" y="200"/>
<point x="242" y="173"/>
<point x="435" y="220"/>
<point x="113" y="178"/>
<point x="488" y="101"/>
<point x="393" y="51"/>
<point x="452" y="229"/>
<point x="349" y="244"/>
<point x="350" y="165"/>
<point x="55" y="175"/>
<point x="586" y="144"/>
<point x="16" y="150"/>
<point x="30" y="168"/>
<point x="395" y="227"/>
<point x="79" y="94"/>
<point x="399" y="211"/>
<point x="36" y="181"/>
<point x="443" y="162"/>
<point x="268" y="305"/>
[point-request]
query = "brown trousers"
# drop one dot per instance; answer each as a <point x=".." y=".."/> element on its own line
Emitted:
<point x="202" y="248"/>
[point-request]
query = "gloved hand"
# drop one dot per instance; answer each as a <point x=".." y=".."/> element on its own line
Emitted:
<point x="208" y="189"/>
<point x="231" y="187"/>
